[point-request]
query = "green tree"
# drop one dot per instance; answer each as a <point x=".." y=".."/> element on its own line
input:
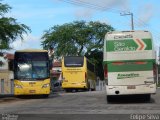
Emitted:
<point x="10" y="29"/>
<point x="96" y="57"/>
<point x="76" y="38"/>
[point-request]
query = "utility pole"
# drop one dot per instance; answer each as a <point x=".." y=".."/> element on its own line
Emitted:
<point x="131" y="14"/>
<point x="159" y="56"/>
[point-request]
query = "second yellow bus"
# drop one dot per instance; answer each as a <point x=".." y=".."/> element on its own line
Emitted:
<point x="78" y="74"/>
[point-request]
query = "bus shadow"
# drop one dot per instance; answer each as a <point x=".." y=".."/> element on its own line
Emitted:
<point x="130" y="100"/>
<point x="77" y="90"/>
<point x="38" y="96"/>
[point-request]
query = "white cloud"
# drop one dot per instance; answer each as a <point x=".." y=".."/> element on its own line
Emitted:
<point x="145" y="14"/>
<point x="102" y="5"/>
<point x="83" y="13"/>
<point x="29" y="41"/>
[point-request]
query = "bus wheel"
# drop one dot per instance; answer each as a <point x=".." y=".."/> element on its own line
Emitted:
<point x="45" y="95"/>
<point x="68" y="90"/>
<point x="147" y="97"/>
<point x="74" y="90"/>
<point x="109" y="99"/>
<point x="93" y="89"/>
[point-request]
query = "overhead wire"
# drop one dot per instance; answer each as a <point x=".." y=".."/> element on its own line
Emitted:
<point x="137" y="21"/>
<point x="92" y="6"/>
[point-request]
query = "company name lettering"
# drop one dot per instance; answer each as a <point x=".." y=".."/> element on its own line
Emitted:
<point x="123" y="76"/>
<point x="122" y="36"/>
<point x="121" y="46"/>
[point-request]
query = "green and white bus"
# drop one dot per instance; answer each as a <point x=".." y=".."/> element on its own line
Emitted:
<point x="129" y="64"/>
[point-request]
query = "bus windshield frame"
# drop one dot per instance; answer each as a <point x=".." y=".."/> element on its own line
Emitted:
<point x="31" y="65"/>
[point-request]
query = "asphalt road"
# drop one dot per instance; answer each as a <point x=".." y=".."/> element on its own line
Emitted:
<point x="80" y="105"/>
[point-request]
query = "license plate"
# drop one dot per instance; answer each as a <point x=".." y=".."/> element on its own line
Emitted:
<point x="32" y="91"/>
<point x="131" y="87"/>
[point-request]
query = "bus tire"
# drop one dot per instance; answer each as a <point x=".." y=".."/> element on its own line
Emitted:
<point x="147" y="97"/>
<point x="45" y="95"/>
<point x="109" y="99"/>
<point x="68" y="90"/>
<point x="93" y="89"/>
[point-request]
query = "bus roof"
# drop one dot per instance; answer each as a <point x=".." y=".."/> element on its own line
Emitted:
<point x="119" y="35"/>
<point x="32" y="50"/>
<point x="129" y="31"/>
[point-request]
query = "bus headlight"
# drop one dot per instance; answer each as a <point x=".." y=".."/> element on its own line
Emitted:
<point x="18" y="86"/>
<point x="45" y="85"/>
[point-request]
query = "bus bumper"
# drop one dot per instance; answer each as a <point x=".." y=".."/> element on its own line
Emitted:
<point x="29" y="91"/>
<point x="74" y="85"/>
<point x="131" y="89"/>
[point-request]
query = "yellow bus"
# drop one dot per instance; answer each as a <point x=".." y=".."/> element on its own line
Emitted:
<point x="78" y="73"/>
<point x="31" y="72"/>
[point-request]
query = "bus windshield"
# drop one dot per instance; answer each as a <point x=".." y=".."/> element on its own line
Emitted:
<point x="73" y="61"/>
<point x="27" y="66"/>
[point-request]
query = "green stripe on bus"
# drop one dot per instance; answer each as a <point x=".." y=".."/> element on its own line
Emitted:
<point x="124" y="67"/>
<point x="147" y="60"/>
<point x="148" y="42"/>
<point x="127" y="45"/>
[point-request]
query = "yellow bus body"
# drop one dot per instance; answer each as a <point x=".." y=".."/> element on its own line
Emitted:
<point x="78" y="77"/>
<point x="32" y="86"/>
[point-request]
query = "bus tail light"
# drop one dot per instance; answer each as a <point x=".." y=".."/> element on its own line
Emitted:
<point x="85" y="76"/>
<point x="118" y="63"/>
<point x="62" y="75"/>
<point x="140" y="62"/>
<point x="63" y="79"/>
<point x="154" y="72"/>
<point x="105" y="73"/>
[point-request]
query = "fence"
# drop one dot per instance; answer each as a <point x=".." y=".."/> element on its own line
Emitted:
<point x="100" y="85"/>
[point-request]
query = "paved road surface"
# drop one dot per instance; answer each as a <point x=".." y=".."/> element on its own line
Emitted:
<point x="81" y="103"/>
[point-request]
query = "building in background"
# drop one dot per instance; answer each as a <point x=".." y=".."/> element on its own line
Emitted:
<point x="56" y="75"/>
<point x="6" y="74"/>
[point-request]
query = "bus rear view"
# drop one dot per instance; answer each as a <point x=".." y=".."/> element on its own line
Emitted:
<point x="78" y="73"/>
<point x="129" y="64"/>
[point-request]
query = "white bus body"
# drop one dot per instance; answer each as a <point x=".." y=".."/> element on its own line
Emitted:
<point x="129" y="63"/>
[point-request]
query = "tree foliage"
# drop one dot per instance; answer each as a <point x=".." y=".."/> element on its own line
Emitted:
<point x="10" y="29"/>
<point x="96" y="57"/>
<point x="76" y="38"/>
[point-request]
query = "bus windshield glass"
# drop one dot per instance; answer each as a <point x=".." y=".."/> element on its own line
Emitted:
<point x="29" y="67"/>
<point x="73" y="61"/>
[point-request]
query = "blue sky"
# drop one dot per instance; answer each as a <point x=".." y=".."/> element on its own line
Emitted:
<point x="40" y="15"/>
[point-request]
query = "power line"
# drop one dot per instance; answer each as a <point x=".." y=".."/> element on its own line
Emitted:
<point x="92" y="6"/>
<point x="103" y="8"/>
